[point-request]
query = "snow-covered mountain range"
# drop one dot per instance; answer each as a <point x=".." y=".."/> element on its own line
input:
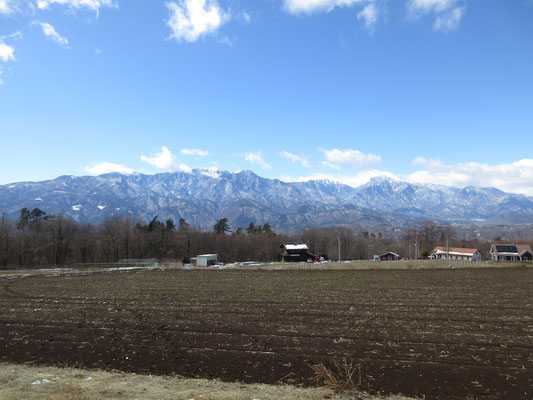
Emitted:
<point x="206" y="195"/>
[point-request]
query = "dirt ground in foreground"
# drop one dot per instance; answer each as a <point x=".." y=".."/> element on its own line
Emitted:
<point x="425" y="333"/>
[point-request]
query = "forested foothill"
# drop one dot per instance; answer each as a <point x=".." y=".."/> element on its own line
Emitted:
<point x="40" y="239"/>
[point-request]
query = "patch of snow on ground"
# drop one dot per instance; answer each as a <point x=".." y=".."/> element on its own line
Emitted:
<point x="38" y="382"/>
<point x="38" y="199"/>
<point x="54" y="269"/>
<point x="77" y="207"/>
<point x="14" y="276"/>
<point x="101" y="207"/>
<point x="154" y="266"/>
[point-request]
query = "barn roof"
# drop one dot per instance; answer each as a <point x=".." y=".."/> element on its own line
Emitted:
<point x="523" y="249"/>
<point x="293" y="246"/>
<point x="389" y="252"/>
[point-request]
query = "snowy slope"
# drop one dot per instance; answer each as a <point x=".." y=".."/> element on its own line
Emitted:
<point x="205" y="195"/>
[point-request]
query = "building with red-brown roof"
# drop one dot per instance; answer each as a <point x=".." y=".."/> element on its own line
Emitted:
<point x="511" y="252"/>
<point x="455" y="253"/>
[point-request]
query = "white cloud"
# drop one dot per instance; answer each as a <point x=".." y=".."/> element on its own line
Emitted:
<point x="93" y="5"/>
<point x="449" y="21"/>
<point x="310" y="6"/>
<point x="16" y="35"/>
<point x="212" y="172"/>
<point x="425" y="6"/>
<point x="369" y="15"/>
<point x="106" y="167"/>
<point x="447" y="15"/>
<point x="427" y="162"/>
<point x="163" y="160"/>
<point x="516" y="177"/>
<point x="353" y="180"/>
<point x="330" y="165"/>
<point x="50" y="32"/>
<point x="294" y="158"/>
<point x="183" y="168"/>
<point x="257" y="158"/>
<point x="7" y="7"/>
<point x="194" y="152"/>
<point x="336" y="158"/>
<point x="7" y="53"/>
<point x="190" y="19"/>
<point x="246" y="17"/>
<point x="227" y="41"/>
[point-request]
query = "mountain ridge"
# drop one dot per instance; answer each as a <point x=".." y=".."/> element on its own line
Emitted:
<point x="204" y="195"/>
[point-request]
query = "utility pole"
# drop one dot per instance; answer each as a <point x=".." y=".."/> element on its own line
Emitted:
<point x="416" y="247"/>
<point x="339" y="244"/>
<point x="447" y="248"/>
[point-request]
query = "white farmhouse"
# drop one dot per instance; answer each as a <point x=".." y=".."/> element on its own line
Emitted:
<point x="455" y="253"/>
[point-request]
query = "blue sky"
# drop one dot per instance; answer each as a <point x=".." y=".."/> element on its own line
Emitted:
<point x="431" y="91"/>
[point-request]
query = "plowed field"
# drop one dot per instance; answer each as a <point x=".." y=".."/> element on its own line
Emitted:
<point x="434" y="333"/>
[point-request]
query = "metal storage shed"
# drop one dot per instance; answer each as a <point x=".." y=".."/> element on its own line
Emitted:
<point x="205" y="260"/>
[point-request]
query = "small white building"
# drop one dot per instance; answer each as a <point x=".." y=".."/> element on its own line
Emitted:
<point x="205" y="260"/>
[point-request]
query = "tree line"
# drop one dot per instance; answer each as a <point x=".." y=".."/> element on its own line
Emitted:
<point x="38" y="238"/>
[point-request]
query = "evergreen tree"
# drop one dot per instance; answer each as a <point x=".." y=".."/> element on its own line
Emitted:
<point x="27" y="216"/>
<point x="251" y="228"/>
<point x="267" y="228"/>
<point x="221" y="226"/>
<point x="170" y="225"/>
<point x="155" y="224"/>
<point x="183" y="225"/>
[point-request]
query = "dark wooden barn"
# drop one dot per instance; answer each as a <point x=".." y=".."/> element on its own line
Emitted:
<point x="296" y="252"/>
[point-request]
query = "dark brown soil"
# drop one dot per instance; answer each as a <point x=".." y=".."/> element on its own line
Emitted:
<point x="436" y="333"/>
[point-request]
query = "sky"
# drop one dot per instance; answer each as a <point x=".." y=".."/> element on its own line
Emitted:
<point x="425" y="91"/>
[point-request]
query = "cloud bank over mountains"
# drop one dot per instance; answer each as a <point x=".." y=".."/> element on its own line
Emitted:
<point x="203" y="196"/>
<point x="351" y="167"/>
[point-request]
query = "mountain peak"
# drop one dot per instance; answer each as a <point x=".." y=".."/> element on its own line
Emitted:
<point x="381" y="179"/>
<point x="244" y="172"/>
<point x="212" y="172"/>
<point x="204" y="195"/>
